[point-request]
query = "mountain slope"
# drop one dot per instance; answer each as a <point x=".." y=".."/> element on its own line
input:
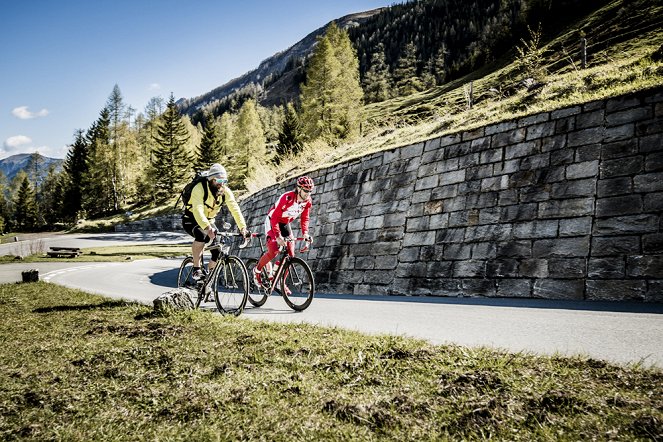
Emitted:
<point x="276" y="74"/>
<point x="10" y="166"/>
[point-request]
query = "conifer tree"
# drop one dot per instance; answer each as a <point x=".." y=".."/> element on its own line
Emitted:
<point x="290" y="137"/>
<point x="331" y="96"/>
<point x="172" y="162"/>
<point x="249" y="143"/>
<point x="97" y="188"/>
<point x="405" y="74"/>
<point x="25" y="207"/>
<point x="378" y="81"/>
<point x="209" y="151"/>
<point x="74" y="169"/>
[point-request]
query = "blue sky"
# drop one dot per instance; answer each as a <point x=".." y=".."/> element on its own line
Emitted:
<point x="61" y="58"/>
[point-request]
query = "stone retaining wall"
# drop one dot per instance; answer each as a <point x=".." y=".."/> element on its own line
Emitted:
<point x="562" y="205"/>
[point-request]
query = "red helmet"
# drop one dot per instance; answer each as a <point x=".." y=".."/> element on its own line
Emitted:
<point x="305" y="183"/>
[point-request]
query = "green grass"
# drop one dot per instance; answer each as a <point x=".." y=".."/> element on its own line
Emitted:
<point x="107" y="254"/>
<point x="75" y="366"/>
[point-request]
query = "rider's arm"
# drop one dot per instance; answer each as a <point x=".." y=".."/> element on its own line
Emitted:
<point x="235" y="211"/>
<point x="305" y="217"/>
<point x="198" y="206"/>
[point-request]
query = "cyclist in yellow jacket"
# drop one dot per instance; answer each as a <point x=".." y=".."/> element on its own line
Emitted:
<point x="199" y="214"/>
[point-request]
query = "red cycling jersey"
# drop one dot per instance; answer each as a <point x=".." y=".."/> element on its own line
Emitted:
<point x="285" y="211"/>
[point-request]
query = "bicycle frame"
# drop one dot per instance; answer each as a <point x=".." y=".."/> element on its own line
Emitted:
<point x="283" y="259"/>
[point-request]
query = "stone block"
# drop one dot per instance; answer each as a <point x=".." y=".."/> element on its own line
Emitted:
<point x="469" y="269"/>
<point x="533" y="119"/>
<point x="616" y="290"/>
<point x="502" y="268"/>
<point x="442" y="192"/>
<point x="654" y="291"/>
<point x="615" y="245"/>
<point x="394" y="219"/>
<point x="650" y="182"/>
<point x="355" y="224"/>
<point x="652" y="143"/>
<point x="439" y="269"/>
<point x="417" y="224"/>
<point x="561" y="247"/>
<point x="619" y="149"/>
<point x="551" y="144"/>
<point x="620" y="225"/>
<point x="622" y="167"/>
<point x="408" y="255"/>
<point x="569" y="268"/>
<point x="484" y="250"/>
<point x="434" y="207"/>
<point x="448" y="236"/>
<point x="590" y="119"/>
<point x="588" y="153"/>
<point x="418" y="239"/>
<point x="566" y="208"/>
<point x="495" y="183"/>
<point x="619" y="205"/>
<point x="458" y="150"/>
<point x="479" y="287"/>
<point x="514" y="249"/>
<point x="654" y="162"/>
<point x="652" y="243"/>
<point x="618" y="133"/>
<point x="561" y="157"/>
<point x="514" y="288"/>
<point x="456" y="252"/>
<point x="492" y="156"/>
<point x="645" y="266"/>
<point x="480" y="144"/>
<point x="566" y="112"/>
<point x="451" y="178"/>
<point x="508" y="138"/>
<point x="533" y="268"/>
<point x="386" y="262"/>
<point x="606" y="268"/>
<point x="563" y="289"/>
<point x="519" y="212"/>
<point x="574" y="188"/>
<point x="535" y="161"/>
<point x="615" y="186"/>
<point x="586" y="136"/>
<point x="439" y="221"/>
<point x="565" y="125"/>
<point x="521" y="150"/>
<point x="507" y="126"/>
<point x="369" y="236"/>
<point x="412" y="270"/>
<point x="498" y="232"/>
<point x="628" y="116"/>
<point x="582" y="170"/>
<point x="575" y="226"/>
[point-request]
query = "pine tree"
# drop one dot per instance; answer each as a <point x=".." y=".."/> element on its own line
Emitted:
<point x="378" y="81"/>
<point x="172" y="162"/>
<point x="209" y="151"/>
<point x="74" y="168"/>
<point x="290" y="137"/>
<point x="25" y="212"/>
<point x="405" y="74"/>
<point x="249" y="144"/>
<point x="97" y="186"/>
<point x="331" y="96"/>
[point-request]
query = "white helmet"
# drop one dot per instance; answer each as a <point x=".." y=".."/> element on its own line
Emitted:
<point x="217" y="171"/>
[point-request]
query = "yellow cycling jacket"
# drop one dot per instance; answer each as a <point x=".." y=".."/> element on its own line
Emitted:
<point x="205" y="211"/>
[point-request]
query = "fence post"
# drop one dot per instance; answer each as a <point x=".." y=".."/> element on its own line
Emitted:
<point x="583" y="52"/>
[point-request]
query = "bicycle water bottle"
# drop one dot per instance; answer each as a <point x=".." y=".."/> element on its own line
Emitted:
<point x="276" y="268"/>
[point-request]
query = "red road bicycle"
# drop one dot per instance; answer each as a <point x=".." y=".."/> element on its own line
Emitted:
<point x="290" y="276"/>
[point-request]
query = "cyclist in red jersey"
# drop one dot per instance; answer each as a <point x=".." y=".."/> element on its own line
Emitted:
<point x="288" y="207"/>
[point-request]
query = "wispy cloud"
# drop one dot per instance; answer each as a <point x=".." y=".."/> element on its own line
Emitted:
<point x="23" y="113"/>
<point x="154" y="87"/>
<point x="17" y="141"/>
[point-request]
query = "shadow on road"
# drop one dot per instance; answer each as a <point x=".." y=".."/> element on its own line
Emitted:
<point x="599" y="306"/>
<point x="139" y="236"/>
<point x="167" y="278"/>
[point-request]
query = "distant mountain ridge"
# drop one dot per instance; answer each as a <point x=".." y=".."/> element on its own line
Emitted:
<point x="10" y="166"/>
<point x="272" y="68"/>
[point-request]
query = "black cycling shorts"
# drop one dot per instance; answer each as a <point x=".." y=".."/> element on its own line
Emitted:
<point x="192" y="228"/>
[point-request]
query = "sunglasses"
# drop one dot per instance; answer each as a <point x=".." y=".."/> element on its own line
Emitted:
<point x="304" y="190"/>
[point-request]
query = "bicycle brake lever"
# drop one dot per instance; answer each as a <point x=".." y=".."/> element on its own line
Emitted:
<point x="245" y="243"/>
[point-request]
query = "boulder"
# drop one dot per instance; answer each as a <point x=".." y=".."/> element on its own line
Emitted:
<point x="176" y="299"/>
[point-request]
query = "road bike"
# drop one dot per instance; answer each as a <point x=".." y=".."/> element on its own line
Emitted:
<point x="227" y="283"/>
<point x="290" y="276"/>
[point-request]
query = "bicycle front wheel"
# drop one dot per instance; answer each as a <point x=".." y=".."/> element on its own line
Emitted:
<point x="296" y="284"/>
<point x="231" y="286"/>
<point x="257" y="295"/>
<point x="185" y="280"/>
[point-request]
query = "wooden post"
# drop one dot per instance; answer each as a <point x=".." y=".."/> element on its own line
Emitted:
<point x="583" y="52"/>
<point x="31" y="275"/>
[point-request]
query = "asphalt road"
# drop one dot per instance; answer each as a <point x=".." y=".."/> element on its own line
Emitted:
<point x="616" y="332"/>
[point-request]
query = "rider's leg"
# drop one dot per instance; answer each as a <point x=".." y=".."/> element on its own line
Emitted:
<point x="212" y="262"/>
<point x="197" y="253"/>
<point x="272" y="251"/>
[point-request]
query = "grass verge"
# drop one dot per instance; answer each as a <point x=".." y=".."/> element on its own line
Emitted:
<point x="75" y="366"/>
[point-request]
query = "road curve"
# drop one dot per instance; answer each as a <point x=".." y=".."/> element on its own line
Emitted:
<point x="618" y="332"/>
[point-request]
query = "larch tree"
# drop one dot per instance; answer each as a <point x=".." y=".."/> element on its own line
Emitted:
<point x="378" y="80"/>
<point x="172" y="161"/>
<point x="331" y="97"/>
<point x="405" y="73"/>
<point x="97" y="195"/>
<point x="249" y="142"/>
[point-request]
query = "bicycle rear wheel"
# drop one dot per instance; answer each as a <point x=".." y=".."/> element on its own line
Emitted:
<point x="297" y="279"/>
<point x="185" y="280"/>
<point x="257" y="295"/>
<point x="231" y="287"/>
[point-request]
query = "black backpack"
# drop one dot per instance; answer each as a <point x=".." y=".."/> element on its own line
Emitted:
<point x="185" y="196"/>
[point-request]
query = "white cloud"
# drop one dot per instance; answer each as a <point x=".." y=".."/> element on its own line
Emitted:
<point x="23" y="113"/>
<point x="17" y="141"/>
<point x="154" y="87"/>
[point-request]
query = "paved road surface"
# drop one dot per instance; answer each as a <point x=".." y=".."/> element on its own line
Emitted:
<point x="617" y="332"/>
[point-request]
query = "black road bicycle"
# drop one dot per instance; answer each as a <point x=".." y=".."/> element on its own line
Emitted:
<point x="227" y="284"/>
<point x="292" y="278"/>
